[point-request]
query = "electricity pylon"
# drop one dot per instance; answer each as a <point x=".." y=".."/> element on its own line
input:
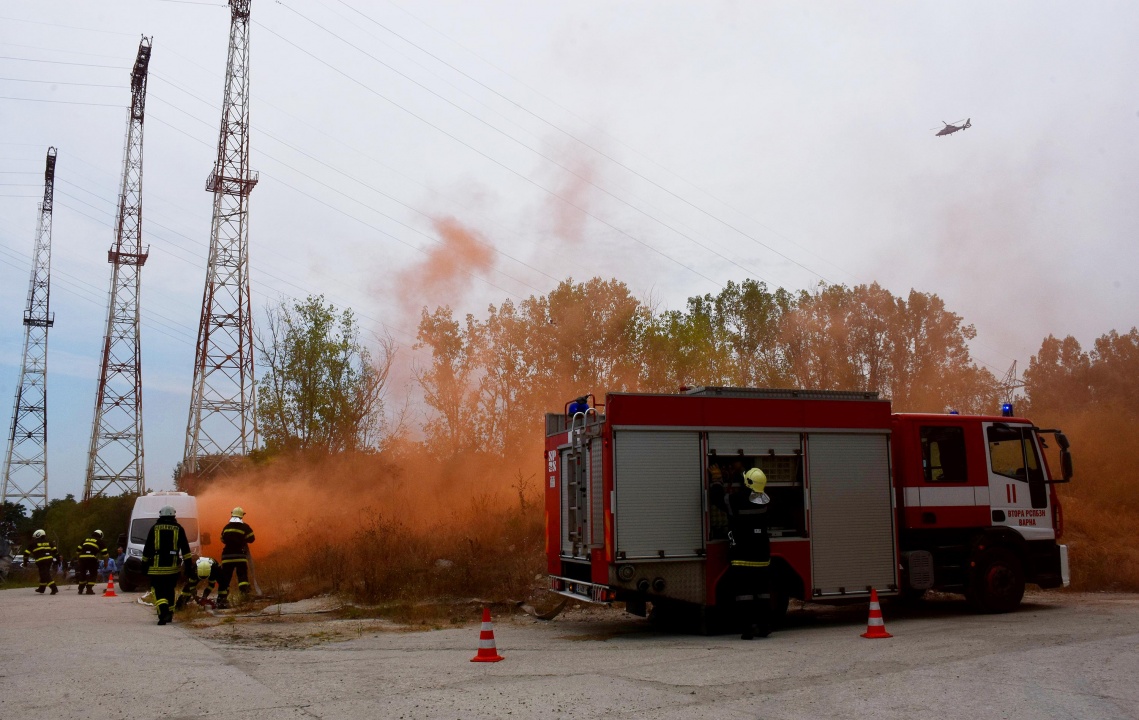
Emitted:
<point x="115" y="460"/>
<point x="223" y="420"/>
<point x="25" y="465"/>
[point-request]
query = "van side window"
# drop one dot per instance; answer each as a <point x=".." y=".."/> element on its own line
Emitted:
<point x="943" y="454"/>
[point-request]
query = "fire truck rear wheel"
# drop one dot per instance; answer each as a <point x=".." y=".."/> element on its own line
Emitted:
<point x="997" y="583"/>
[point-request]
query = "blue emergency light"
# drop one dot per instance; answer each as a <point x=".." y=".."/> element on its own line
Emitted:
<point x="1006" y="409"/>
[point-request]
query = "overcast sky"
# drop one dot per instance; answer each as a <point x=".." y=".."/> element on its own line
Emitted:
<point x="674" y="146"/>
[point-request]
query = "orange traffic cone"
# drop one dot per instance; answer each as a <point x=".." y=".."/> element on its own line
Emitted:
<point x="487" y="651"/>
<point x="110" y="591"/>
<point x="875" y="628"/>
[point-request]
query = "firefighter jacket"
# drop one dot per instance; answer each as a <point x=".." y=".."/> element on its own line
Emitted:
<point x="92" y="548"/>
<point x="43" y="551"/>
<point x="235" y="539"/>
<point x="166" y="548"/>
<point x="749" y="542"/>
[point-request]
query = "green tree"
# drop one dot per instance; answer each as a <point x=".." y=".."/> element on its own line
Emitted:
<point x="320" y="391"/>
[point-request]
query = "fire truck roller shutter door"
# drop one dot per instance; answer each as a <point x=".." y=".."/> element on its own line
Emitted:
<point x="753" y="443"/>
<point x="852" y="531"/>
<point x="660" y="503"/>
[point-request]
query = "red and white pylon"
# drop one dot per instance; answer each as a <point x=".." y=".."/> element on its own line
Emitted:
<point x="487" y="651"/>
<point x="875" y="626"/>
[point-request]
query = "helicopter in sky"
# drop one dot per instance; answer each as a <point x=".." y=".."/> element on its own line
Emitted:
<point x="951" y="128"/>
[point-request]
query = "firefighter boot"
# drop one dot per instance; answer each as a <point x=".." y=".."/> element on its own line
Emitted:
<point x="41" y="589"/>
<point x="81" y="586"/>
<point x="90" y="589"/>
<point x="54" y="590"/>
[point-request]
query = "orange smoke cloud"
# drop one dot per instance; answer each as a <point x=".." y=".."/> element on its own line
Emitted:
<point x="291" y="501"/>
<point x="448" y="270"/>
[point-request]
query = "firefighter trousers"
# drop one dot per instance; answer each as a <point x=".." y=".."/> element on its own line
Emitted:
<point x="46" y="580"/>
<point x="751" y="592"/>
<point x="164" y="586"/>
<point x="86" y="571"/>
<point x="228" y="568"/>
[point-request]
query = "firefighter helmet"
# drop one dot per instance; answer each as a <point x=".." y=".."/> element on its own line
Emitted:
<point x="755" y="480"/>
<point x="166" y="511"/>
<point x="98" y="533"/>
<point x="238" y="513"/>
<point x="39" y="534"/>
<point x="204" y="567"/>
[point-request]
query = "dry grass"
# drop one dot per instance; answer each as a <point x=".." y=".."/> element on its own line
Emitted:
<point x="482" y="553"/>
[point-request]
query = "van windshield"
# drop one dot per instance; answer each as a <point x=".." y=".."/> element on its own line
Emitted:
<point x="140" y="528"/>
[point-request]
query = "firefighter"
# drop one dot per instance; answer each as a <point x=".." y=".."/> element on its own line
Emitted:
<point x="209" y="570"/>
<point x="44" y="554"/>
<point x="163" y="554"/>
<point x="91" y="551"/>
<point x="749" y="555"/>
<point x="235" y="539"/>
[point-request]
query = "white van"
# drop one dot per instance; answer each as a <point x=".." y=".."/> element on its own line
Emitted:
<point x="143" y="517"/>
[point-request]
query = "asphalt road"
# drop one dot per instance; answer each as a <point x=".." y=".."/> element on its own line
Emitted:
<point x="1060" y="656"/>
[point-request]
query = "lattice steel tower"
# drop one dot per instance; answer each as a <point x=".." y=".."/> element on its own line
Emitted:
<point x="223" y="419"/>
<point x="115" y="460"/>
<point x="25" y="465"/>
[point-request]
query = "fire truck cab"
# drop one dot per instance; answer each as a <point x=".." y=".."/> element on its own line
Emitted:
<point x="860" y="498"/>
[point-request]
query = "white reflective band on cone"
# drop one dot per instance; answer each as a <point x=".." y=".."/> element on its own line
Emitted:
<point x="875" y="606"/>
<point x="487" y="626"/>
<point x="875" y="622"/>
<point x="484" y="644"/>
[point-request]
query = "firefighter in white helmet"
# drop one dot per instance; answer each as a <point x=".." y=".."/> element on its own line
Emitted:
<point x="235" y="539"/>
<point x="165" y="551"/>
<point x="42" y="552"/>
<point x="749" y="555"/>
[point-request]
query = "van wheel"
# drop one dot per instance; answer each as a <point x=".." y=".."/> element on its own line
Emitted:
<point x="997" y="582"/>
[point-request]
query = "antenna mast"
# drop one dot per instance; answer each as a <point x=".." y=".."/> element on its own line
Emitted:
<point x="115" y="460"/>
<point x="222" y="420"/>
<point x="25" y="465"/>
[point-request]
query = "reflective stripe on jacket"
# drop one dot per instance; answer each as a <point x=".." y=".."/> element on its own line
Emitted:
<point x="166" y="548"/>
<point x="43" y="551"/>
<point x="235" y="538"/>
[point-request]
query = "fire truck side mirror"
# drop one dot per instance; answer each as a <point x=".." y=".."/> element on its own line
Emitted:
<point x="1066" y="464"/>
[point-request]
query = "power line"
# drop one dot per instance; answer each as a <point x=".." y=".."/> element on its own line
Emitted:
<point x="510" y="137"/>
<point x="60" y="102"/>
<point x="495" y="161"/>
<point x="62" y="62"/>
<point x="68" y="27"/>
<point x="584" y="143"/>
<point x="59" y="82"/>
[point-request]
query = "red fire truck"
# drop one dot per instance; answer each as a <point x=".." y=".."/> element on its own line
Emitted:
<point x="861" y="498"/>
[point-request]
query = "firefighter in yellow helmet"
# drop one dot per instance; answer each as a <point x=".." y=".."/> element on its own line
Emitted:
<point x="163" y="555"/>
<point x="207" y="569"/>
<point x="235" y="539"/>
<point x="90" y="552"/>
<point x="749" y="555"/>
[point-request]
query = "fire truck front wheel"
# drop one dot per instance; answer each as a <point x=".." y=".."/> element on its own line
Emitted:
<point x="997" y="582"/>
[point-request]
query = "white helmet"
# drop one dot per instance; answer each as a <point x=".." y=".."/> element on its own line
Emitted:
<point x="166" y="511"/>
<point x="237" y="513"/>
<point x="205" y="565"/>
<point x="39" y="534"/>
<point x="98" y="533"/>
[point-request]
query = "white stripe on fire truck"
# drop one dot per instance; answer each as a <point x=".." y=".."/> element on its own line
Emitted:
<point x="949" y="496"/>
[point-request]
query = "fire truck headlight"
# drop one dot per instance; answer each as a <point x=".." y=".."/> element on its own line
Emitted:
<point x="658" y="585"/>
<point x="625" y="573"/>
